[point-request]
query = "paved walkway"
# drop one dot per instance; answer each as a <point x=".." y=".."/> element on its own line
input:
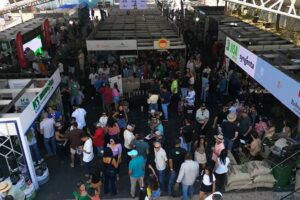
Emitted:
<point x="249" y="195"/>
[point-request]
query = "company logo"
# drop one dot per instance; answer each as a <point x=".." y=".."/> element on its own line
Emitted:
<point x="246" y="61"/>
<point x="40" y="98"/>
<point x="232" y="49"/>
<point x="163" y="44"/>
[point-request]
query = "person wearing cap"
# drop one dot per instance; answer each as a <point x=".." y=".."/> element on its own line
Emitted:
<point x="136" y="171"/>
<point x="230" y="131"/>
<point x="128" y="139"/>
<point x="56" y="115"/>
<point x="187" y="176"/>
<point x="202" y="117"/>
<point x="160" y="158"/>
<point x="98" y="138"/>
<point x="176" y="158"/>
<point x="47" y="130"/>
<point x="219" y="146"/>
<point x="79" y="114"/>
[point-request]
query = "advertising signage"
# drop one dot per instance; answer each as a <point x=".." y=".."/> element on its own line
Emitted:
<point x="244" y="58"/>
<point x="280" y="85"/>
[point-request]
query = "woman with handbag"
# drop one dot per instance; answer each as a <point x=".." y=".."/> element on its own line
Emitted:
<point x="110" y="164"/>
<point x="116" y="148"/>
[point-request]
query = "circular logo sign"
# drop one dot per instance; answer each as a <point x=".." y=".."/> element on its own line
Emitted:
<point x="163" y="44"/>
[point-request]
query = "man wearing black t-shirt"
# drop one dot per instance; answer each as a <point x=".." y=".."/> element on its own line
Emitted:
<point x="176" y="158"/>
<point x="230" y="131"/>
<point x="221" y="116"/>
<point x="187" y="133"/>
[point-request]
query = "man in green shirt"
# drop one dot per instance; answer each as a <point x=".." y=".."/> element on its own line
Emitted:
<point x="74" y="89"/>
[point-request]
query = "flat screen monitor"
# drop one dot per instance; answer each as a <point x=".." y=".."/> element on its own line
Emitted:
<point x="35" y="45"/>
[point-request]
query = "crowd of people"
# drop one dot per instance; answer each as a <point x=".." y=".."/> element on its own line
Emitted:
<point x="161" y="162"/>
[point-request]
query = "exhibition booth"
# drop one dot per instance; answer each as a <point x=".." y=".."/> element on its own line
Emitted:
<point x="273" y="63"/>
<point x="31" y="34"/>
<point x="21" y="103"/>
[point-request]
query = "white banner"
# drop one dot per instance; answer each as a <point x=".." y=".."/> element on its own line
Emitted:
<point x="111" y="45"/>
<point x="38" y="103"/>
<point x="243" y="57"/>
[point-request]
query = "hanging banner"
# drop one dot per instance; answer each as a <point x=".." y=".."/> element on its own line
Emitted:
<point x="46" y="33"/>
<point x="280" y="85"/>
<point x="141" y="4"/>
<point x="243" y="57"/>
<point x="20" y="50"/>
<point x="111" y="45"/>
<point x="127" y="4"/>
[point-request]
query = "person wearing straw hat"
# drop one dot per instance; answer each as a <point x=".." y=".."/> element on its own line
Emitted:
<point x="230" y="131"/>
<point x="5" y="187"/>
<point x="219" y="146"/>
<point x="10" y="192"/>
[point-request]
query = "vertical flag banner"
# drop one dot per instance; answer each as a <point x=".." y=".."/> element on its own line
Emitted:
<point x="20" y="50"/>
<point x="46" y="33"/>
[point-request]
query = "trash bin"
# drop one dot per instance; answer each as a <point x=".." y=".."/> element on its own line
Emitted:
<point x="282" y="174"/>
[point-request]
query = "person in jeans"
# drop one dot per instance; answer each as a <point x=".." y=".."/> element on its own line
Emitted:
<point x="88" y="154"/>
<point x="187" y="176"/>
<point x="165" y="97"/>
<point x="176" y="158"/>
<point x="35" y="153"/>
<point x="47" y="130"/>
<point x="110" y="164"/>
<point x="136" y="171"/>
<point x="160" y="162"/>
<point x="221" y="169"/>
<point x="230" y="131"/>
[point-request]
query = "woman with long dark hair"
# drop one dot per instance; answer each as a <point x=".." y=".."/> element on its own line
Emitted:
<point x="112" y="129"/>
<point x="110" y="164"/>
<point x="221" y="169"/>
<point x="208" y="185"/>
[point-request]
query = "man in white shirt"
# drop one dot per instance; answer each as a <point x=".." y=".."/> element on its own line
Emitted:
<point x="188" y="173"/>
<point x="202" y="117"/>
<point x="47" y="130"/>
<point x="79" y="114"/>
<point x="160" y="163"/>
<point x="88" y="154"/>
<point x="128" y="139"/>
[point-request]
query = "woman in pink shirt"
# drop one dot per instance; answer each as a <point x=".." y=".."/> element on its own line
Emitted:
<point x="219" y="146"/>
<point x="116" y="96"/>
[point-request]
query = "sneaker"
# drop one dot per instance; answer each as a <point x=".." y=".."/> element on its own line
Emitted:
<point x="71" y="165"/>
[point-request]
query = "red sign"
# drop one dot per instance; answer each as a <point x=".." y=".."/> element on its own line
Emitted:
<point x="20" y="50"/>
<point x="163" y="43"/>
